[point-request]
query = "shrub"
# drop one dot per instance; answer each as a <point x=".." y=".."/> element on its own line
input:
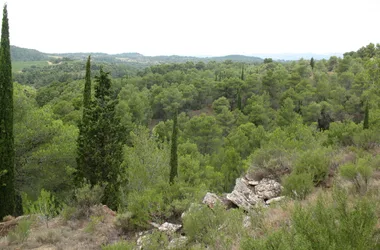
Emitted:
<point x="94" y="221"/>
<point x="327" y="224"/>
<point x="366" y="139"/>
<point x="86" y="197"/>
<point x="68" y="213"/>
<point x="21" y="232"/>
<point x="50" y="237"/>
<point x="358" y="173"/>
<point x="315" y="162"/>
<point x="298" y="186"/>
<point x="123" y="222"/>
<point x="46" y="206"/>
<point x="216" y="228"/>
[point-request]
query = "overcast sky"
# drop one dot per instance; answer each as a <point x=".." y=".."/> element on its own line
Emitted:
<point x="194" y="27"/>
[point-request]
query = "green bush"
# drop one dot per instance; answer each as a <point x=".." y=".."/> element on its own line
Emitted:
<point x="358" y="173"/>
<point x="315" y="162"/>
<point x="367" y="139"/>
<point x="21" y="232"/>
<point x="342" y="133"/>
<point x="215" y="228"/>
<point x="68" y="213"/>
<point x="86" y="197"/>
<point x="46" y="206"/>
<point x="298" y="186"/>
<point x="121" y="245"/>
<point x="123" y="222"/>
<point x="327" y="224"/>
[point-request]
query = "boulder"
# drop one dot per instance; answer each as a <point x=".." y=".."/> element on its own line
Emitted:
<point x="268" y="189"/>
<point x="211" y="199"/>
<point x="169" y="227"/>
<point x="243" y="195"/>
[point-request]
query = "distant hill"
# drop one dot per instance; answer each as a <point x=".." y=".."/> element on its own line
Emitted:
<point x="22" y="54"/>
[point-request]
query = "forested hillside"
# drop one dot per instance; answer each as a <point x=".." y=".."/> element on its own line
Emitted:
<point x="120" y="151"/>
<point x="306" y="124"/>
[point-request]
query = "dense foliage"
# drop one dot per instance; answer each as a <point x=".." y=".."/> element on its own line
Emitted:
<point x="155" y="139"/>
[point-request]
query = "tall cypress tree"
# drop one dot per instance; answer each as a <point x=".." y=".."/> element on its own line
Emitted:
<point x="87" y="85"/>
<point x="173" y="151"/>
<point x="366" y="117"/>
<point x="83" y="155"/>
<point x="101" y="142"/>
<point x="7" y="187"/>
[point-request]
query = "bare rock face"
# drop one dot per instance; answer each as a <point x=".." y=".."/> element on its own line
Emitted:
<point x="268" y="189"/>
<point x="244" y="195"/>
<point x="169" y="227"/>
<point x="211" y="199"/>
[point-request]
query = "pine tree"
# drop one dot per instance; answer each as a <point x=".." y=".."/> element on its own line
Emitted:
<point x="100" y="143"/>
<point x="366" y="117"/>
<point x="173" y="152"/>
<point x="7" y="189"/>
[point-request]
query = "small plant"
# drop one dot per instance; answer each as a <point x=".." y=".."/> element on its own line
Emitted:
<point x="123" y="222"/>
<point x="358" y="173"/>
<point x="94" y="221"/>
<point x="21" y="232"/>
<point x="298" y="186"/>
<point x="46" y="206"/>
<point x="68" y="213"/>
<point x="50" y="237"/>
<point x="88" y="196"/>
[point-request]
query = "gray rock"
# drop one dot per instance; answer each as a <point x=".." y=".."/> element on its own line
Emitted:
<point x="268" y="189"/>
<point x="178" y="243"/>
<point x="211" y="199"/>
<point x="243" y="195"/>
<point x="247" y="221"/>
<point x="274" y="200"/>
<point x="253" y="183"/>
<point x="169" y="227"/>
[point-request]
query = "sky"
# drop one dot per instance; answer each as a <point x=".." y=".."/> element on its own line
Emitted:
<point x="194" y="27"/>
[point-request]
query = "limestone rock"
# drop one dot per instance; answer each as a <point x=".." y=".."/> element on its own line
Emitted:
<point x="268" y="189"/>
<point x="274" y="200"/>
<point x="243" y="195"/>
<point x="211" y="199"/>
<point x="178" y="243"/>
<point x="169" y="227"/>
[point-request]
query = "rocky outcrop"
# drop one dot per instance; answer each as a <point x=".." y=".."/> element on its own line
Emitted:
<point x="211" y="199"/>
<point x="267" y="189"/>
<point x="249" y="193"/>
<point x="169" y="228"/>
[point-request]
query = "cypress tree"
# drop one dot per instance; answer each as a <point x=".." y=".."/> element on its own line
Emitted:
<point x="87" y="85"/>
<point x="81" y="142"/>
<point x="366" y="117"/>
<point x="7" y="189"/>
<point x="312" y="63"/>
<point x="173" y="152"/>
<point x="101" y="141"/>
<point x="242" y="73"/>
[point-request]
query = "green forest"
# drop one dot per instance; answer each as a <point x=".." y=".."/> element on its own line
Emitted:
<point x="149" y="140"/>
